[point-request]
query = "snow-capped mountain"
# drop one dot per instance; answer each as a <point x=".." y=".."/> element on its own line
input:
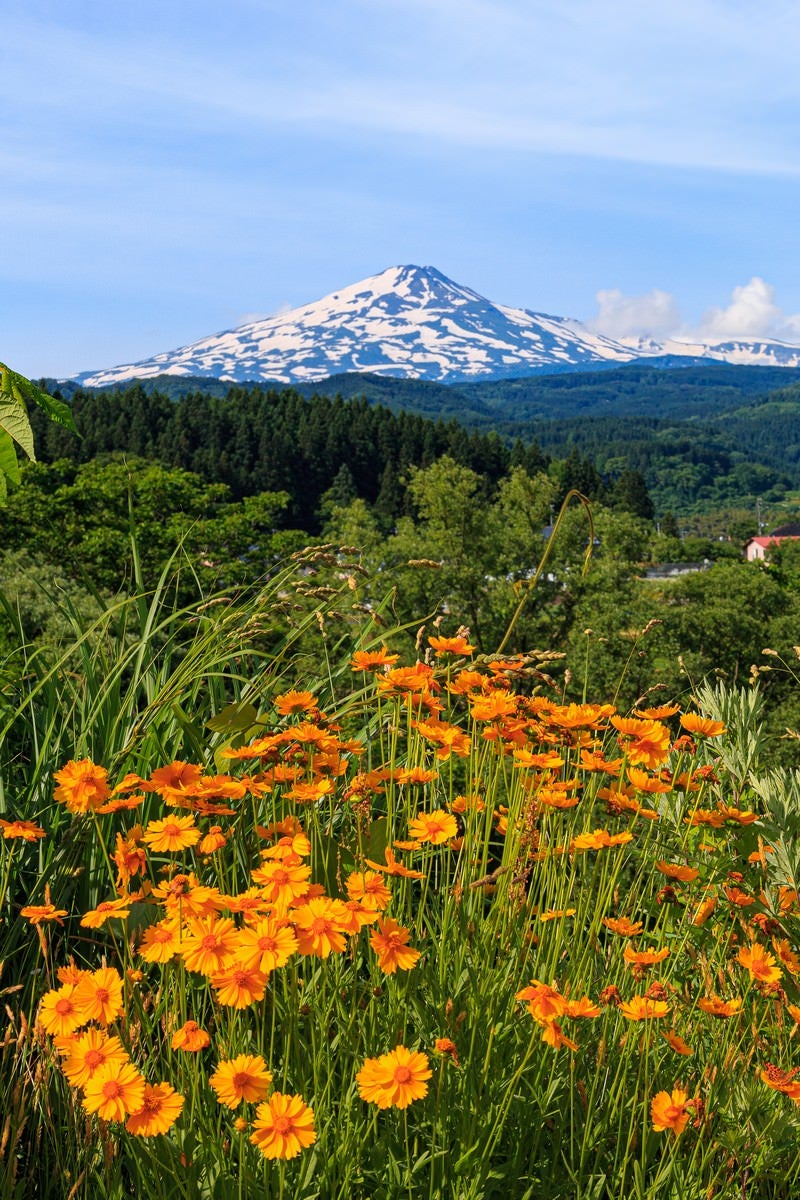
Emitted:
<point x="414" y="323"/>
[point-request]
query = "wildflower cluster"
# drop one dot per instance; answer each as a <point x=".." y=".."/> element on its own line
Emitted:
<point x="588" y="865"/>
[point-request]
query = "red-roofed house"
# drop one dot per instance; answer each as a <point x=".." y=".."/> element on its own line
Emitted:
<point x="756" y="548"/>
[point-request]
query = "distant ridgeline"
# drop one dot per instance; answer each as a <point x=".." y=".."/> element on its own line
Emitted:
<point x="702" y="436"/>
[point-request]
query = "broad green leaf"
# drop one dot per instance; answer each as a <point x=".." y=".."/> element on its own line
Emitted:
<point x="9" y="465"/>
<point x="233" y="718"/>
<point x="14" y="422"/>
<point x="22" y="389"/>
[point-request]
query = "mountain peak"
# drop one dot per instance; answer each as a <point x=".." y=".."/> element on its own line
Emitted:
<point x="410" y="322"/>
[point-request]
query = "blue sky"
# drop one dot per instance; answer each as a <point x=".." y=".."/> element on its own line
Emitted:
<point x="170" y="169"/>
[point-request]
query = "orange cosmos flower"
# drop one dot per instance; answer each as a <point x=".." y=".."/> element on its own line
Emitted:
<point x="83" y="786"/>
<point x="450" y="645"/>
<point x="369" y="660"/>
<point x="267" y="945"/>
<point x="96" y="917"/>
<point x="623" y="926"/>
<point x="209" y="945"/>
<point x="716" y="1007"/>
<point x="239" y="986"/>
<point x="284" y="1126"/>
<point x="37" y="913"/>
<point x="657" y="714"/>
<point x="553" y="1035"/>
<point x="61" y="1011"/>
<point x="493" y="707"/>
<point x="395" y="1079"/>
<point x="26" y="830"/>
<point x="171" y="835"/>
<point x="390" y="943"/>
<point x="436" y="827"/>
<point x="760" y="964"/>
<point x="600" y="839"/>
<point x="174" y="779"/>
<point x="282" y="882"/>
<point x="786" y="955"/>
<point x="581" y="1008"/>
<point x="114" y="1091"/>
<point x="129" y="856"/>
<point x="545" y="1003"/>
<point x="702" y="726"/>
<point x="90" y="1052"/>
<point x="190" y="1037"/>
<point x="677" y="1043"/>
<point x="160" y="1110"/>
<point x="293" y="702"/>
<point x="668" y="1110"/>
<point x="677" y="871"/>
<point x="369" y="888"/>
<point x="100" y="993"/>
<point x="215" y="839"/>
<point x="643" y="1008"/>
<point x="161" y="942"/>
<point x="242" y="1078"/>
<point x="394" y="866"/>
<point x="318" y="926"/>
<point x="644" y="958"/>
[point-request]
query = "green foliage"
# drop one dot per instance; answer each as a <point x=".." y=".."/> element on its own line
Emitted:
<point x="16" y="393"/>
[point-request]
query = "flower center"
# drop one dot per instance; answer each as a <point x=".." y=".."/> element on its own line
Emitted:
<point x="102" y="995"/>
<point x="111" y="1089"/>
<point x="240" y="1081"/>
<point x="266" y="944"/>
<point x="64" y="1006"/>
<point x="282" y="1124"/>
<point x="402" y="1074"/>
<point x="93" y="1059"/>
<point x="210" y="942"/>
<point x="319" y="925"/>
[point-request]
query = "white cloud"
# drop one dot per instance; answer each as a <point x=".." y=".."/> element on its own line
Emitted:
<point x="619" y="316"/>
<point x="751" y="314"/>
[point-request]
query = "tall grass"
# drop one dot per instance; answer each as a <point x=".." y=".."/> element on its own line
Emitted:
<point x="528" y="832"/>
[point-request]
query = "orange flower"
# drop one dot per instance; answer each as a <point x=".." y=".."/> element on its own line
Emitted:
<point x="657" y="714"/>
<point x="450" y="645"/>
<point x="171" y="835"/>
<point x="284" y="1126"/>
<point x="545" y="1003"/>
<point x="267" y="944"/>
<point x="369" y="888"/>
<point x="160" y="1110"/>
<point x="209" y="945"/>
<point x="90" y="1052"/>
<point x="448" y="1047"/>
<point x="36" y="913"/>
<point x="389" y="941"/>
<point x="61" y="1011"/>
<point x="436" y="827"/>
<point x="600" y="839"/>
<point x="369" y="660"/>
<point x="394" y="867"/>
<point x="83" y="787"/>
<point x="395" y="1079"/>
<point x="215" y="839"/>
<point x="318" y="926"/>
<point x="787" y="956"/>
<point x="668" y="1110"/>
<point x="190" y="1038"/>
<point x="239" y="986"/>
<point x="717" y="1007"/>
<point x="493" y="707"/>
<point x="174" y="779"/>
<point x="282" y="882"/>
<point x="644" y="958"/>
<point x="294" y="702"/>
<point x="623" y="926"/>
<point x="677" y="871"/>
<point x="642" y="1008"/>
<point x="26" y="830"/>
<point x="702" y="726"/>
<point x="677" y="1043"/>
<point x="114" y="1091"/>
<point x="760" y="964"/>
<point x="781" y="1081"/>
<point x="242" y="1078"/>
<point x="100" y="994"/>
<point x="161" y="942"/>
<point x="553" y="1035"/>
<point x="96" y="917"/>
